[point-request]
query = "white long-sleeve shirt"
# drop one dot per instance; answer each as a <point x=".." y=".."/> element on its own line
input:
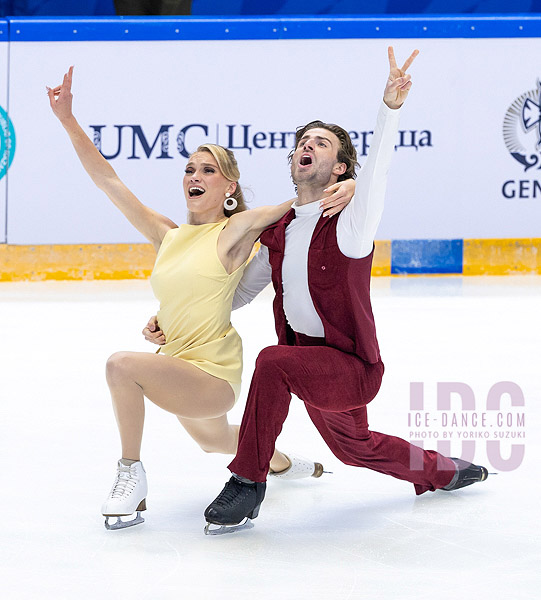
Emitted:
<point x="355" y="230"/>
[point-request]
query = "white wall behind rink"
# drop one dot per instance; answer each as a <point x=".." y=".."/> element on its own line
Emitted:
<point x="452" y="189"/>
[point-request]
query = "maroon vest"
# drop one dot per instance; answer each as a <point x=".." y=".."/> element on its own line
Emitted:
<point x="339" y="287"/>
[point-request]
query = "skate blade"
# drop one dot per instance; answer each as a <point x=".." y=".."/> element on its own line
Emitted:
<point x="223" y="529"/>
<point x="119" y="524"/>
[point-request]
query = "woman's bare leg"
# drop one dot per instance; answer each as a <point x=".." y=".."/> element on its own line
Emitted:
<point x="173" y="384"/>
<point x="217" y="435"/>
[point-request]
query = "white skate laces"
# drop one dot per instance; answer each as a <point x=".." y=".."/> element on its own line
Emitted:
<point x="127" y="496"/>
<point x="125" y="482"/>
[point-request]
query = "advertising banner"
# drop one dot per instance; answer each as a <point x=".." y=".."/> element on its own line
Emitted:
<point x="6" y="131"/>
<point x="467" y="162"/>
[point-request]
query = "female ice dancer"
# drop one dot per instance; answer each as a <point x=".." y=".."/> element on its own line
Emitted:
<point x="197" y="374"/>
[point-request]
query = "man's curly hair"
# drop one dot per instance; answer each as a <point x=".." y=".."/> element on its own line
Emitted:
<point x="346" y="153"/>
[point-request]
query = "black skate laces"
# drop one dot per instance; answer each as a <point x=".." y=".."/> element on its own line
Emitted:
<point x="233" y="493"/>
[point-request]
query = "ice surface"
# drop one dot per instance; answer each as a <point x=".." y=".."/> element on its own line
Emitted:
<point x="351" y="535"/>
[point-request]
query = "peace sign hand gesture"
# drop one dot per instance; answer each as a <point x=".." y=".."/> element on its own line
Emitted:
<point x="399" y="83"/>
<point x="61" y="98"/>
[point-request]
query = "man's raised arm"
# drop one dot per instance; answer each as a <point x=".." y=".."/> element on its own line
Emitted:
<point x="359" y="221"/>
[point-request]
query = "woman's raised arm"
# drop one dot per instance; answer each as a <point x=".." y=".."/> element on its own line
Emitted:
<point x="244" y="228"/>
<point x="150" y="223"/>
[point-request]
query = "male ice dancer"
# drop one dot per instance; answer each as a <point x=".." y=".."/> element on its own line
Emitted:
<point x="327" y="352"/>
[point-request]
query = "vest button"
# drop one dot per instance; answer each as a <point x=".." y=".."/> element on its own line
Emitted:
<point x="323" y="267"/>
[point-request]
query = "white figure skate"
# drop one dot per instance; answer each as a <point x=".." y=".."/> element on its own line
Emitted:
<point x="300" y="468"/>
<point x="127" y="496"/>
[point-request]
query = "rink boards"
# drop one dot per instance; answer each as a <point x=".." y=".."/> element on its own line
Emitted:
<point x="400" y="257"/>
<point x="464" y="191"/>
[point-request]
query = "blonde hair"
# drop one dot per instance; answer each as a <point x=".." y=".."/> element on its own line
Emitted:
<point x="227" y="164"/>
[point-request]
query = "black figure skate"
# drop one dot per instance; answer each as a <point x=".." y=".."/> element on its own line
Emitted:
<point x="467" y="474"/>
<point x="236" y="504"/>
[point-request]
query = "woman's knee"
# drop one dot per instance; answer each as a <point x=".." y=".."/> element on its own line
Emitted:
<point x="213" y="436"/>
<point x="119" y="366"/>
<point x="218" y="446"/>
<point x="210" y="447"/>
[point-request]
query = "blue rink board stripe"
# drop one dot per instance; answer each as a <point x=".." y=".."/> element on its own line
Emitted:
<point x="4" y="31"/>
<point x="426" y="256"/>
<point x="216" y="28"/>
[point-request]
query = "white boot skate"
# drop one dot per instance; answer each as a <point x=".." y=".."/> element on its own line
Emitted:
<point x="127" y="496"/>
<point x="299" y="468"/>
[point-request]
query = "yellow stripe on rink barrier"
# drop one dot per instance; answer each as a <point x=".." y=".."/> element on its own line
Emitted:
<point x="81" y="261"/>
<point x="381" y="264"/>
<point x="105" y="261"/>
<point x="135" y="261"/>
<point x="502" y="257"/>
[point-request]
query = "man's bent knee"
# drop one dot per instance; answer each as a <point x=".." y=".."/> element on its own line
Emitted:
<point x="272" y="358"/>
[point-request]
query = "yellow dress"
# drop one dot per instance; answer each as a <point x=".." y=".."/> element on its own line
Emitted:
<point x="195" y="294"/>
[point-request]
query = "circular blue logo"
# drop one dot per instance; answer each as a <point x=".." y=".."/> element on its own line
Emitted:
<point x="7" y="142"/>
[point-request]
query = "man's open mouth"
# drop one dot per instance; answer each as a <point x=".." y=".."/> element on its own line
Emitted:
<point x="305" y="160"/>
<point x="195" y="191"/>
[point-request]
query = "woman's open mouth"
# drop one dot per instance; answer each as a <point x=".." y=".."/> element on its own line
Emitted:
<point x="195" y="191"/>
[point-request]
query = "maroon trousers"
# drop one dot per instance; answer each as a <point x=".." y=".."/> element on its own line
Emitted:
<point x="335" y="388"/>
